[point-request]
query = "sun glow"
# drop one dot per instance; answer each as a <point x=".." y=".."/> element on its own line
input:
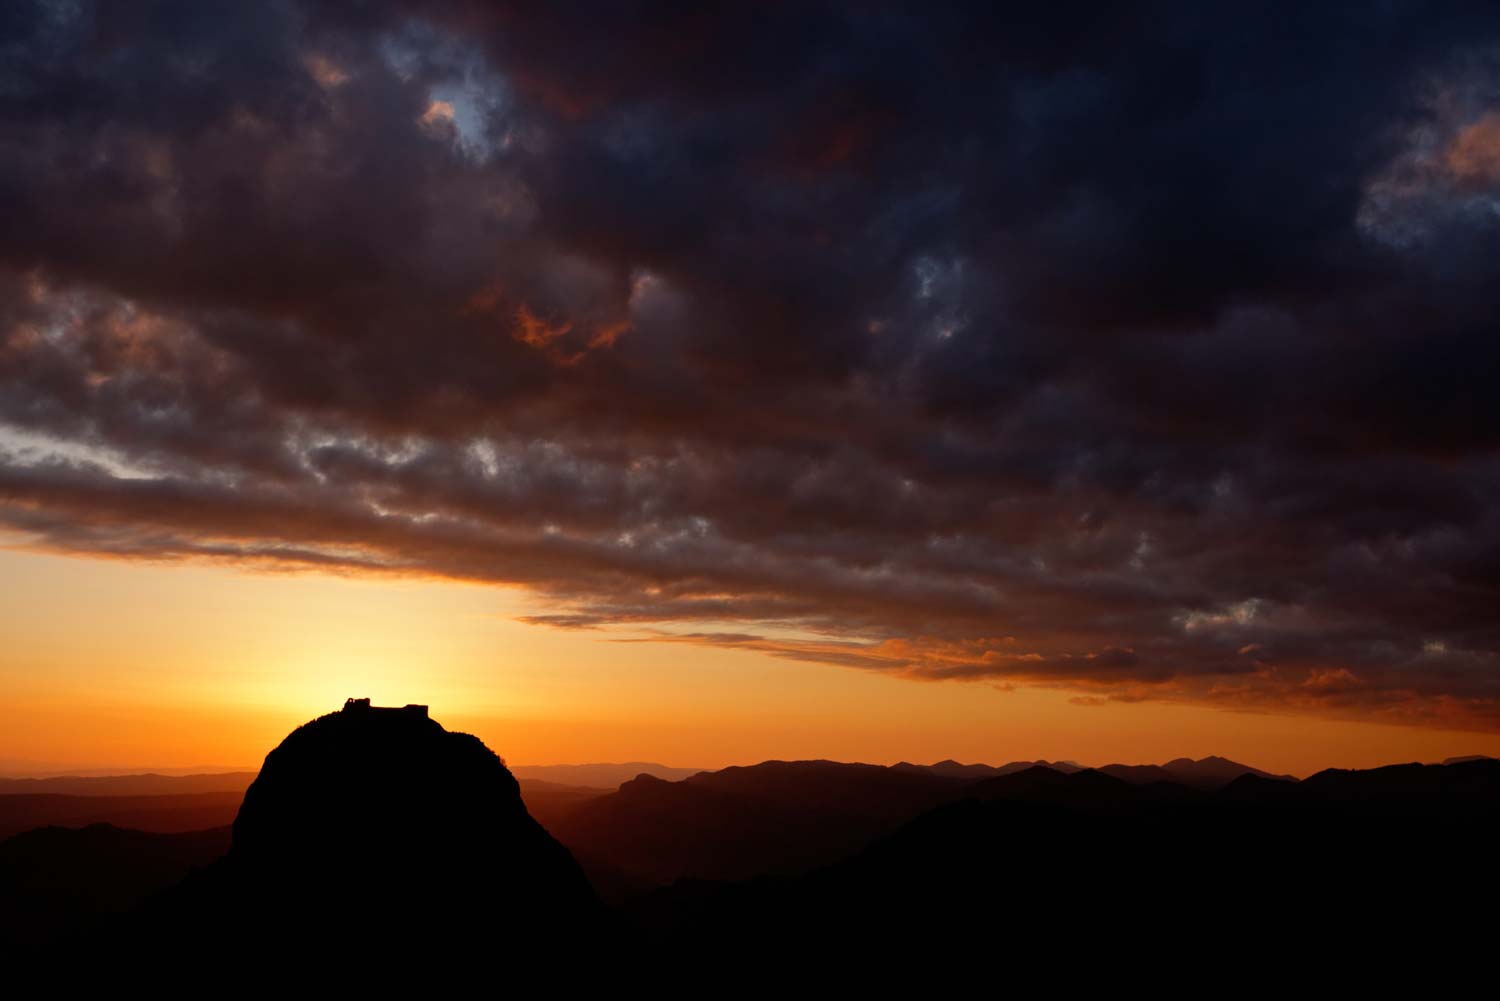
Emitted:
<point x="113" y="664"/>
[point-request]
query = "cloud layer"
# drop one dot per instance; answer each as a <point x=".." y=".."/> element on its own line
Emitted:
<point x="1150" y="354"/>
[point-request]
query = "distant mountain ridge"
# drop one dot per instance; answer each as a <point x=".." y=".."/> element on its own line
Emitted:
<point x="602" y="775"/>
<point x="777" y="816"/>
<point x="1212" y="772"/>
<point x="550" y="802"/>
<point x="194" y="811"/>
<point x="143" y="784"/>
<point x="954" y="769"/>
<point x="26" y="806"/>
<point x="176" y="803"/>
<point x="790" y="816"/>
<point x="1206" y="772"/>
<point x="19" y="769"/>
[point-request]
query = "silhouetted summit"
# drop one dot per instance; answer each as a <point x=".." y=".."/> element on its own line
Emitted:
<point x="370" y="828"/>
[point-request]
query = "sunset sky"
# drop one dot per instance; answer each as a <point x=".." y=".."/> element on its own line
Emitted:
<point x="712" y="383"/>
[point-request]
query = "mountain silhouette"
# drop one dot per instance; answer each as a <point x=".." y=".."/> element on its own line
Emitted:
<point x="1040" y="784"/>
<point x="954" y="769"/>
<point x="1212" y="772"/>
<point x="600" y="776"/>
<point x="178" y="813"/>
<point x="1468" y="757"/>
<point x="147" y="784"/>
<point x="551" y="802"/>
<point x="1085" y="879"/>
<point x="375" y="832"/>
<point x="1463" y="786"/>
<point x="774" y="817"/>
<point x="380" y="836"/>
<point x="786" y="817"/>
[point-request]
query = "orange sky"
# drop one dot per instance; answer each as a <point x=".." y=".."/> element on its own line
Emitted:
<point x="109" y="664"/>
<point x="721" y="409"/>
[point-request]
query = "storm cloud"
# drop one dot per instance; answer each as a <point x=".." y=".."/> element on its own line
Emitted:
<point x="1147" y="352"/>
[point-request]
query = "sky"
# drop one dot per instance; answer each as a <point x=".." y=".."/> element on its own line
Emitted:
<point x="711" y="383"/>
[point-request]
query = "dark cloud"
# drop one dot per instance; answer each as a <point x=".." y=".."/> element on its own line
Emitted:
<point x="1147" y="353"/>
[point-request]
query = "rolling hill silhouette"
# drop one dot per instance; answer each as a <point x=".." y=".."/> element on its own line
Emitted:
<point x="551" y="802"/>
<point x="58" y="882"/>
<point x="1086" y="879"/>
<point x="161" y="814"/>
<point x="774" y="817"/>
<point x="1212" y="772"/>
<point x="783" y="817"/>
<point x="1039" y="784"/>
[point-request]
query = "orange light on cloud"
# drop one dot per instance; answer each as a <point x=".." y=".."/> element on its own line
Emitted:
<point x="1474" y="156"/>
<point x="129" y="665"/>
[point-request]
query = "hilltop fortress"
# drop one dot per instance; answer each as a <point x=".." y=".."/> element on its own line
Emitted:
<point x="363" y="706"/>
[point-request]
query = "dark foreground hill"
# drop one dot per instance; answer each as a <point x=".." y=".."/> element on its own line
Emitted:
<point x="373" y="834"/>
<point x="1084" y="878"/>
<point x="58" y="883"/>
